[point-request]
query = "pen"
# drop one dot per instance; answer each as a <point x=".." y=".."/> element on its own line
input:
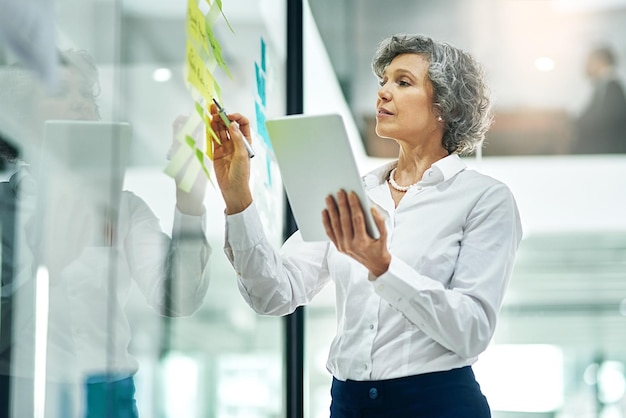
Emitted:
<point x="227" y="122"/>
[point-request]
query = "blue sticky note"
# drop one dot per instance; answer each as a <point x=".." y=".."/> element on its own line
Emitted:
<point x="268" y="168"/>
<point x="260" y="124"/>
<point x="263" y="67"/>
<point x="260" y="83"/>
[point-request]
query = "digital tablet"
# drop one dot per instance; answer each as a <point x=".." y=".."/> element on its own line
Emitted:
<point x="315" y="160"/>
<point x="80" y="173"/>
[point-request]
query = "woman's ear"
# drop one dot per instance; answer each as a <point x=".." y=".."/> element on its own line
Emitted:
<point x="438" y="113"/>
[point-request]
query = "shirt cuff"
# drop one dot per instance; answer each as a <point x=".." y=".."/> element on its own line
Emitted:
<point x="244" y="230"/>
<point x="189" y="226"/>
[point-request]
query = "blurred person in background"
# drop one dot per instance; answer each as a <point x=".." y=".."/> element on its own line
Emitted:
<point x="89" y="370"/>
<point x="601" y="127"/>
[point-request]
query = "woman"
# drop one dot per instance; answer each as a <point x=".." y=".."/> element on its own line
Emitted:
<point x="90" y="371"/>
<point x="417" y="306"/>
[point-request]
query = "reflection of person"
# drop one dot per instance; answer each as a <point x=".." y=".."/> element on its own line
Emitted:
<point x="601" y="127"/>
<point x="416" y="307"/>
<point x="88" y="330"/>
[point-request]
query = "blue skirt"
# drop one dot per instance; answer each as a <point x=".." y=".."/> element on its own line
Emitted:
<point x="449" y="394"/>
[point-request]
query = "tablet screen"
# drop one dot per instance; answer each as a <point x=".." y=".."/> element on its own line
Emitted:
<point x="315" y="160"/>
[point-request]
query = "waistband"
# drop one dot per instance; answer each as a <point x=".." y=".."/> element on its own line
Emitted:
<point x="423" y="386"/>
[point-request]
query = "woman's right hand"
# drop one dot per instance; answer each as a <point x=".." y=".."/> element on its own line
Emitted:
<point x="230" y="160"/>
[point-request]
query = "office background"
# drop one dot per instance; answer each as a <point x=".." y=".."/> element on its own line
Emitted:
<point x="560" y="346"/>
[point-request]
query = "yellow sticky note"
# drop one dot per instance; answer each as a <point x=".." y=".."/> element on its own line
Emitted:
<point x="198" y="75"/>
<point x="203" y="55"/>
<point x="196" y="24"/>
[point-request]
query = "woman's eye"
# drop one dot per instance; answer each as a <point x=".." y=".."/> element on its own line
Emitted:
<point x="87" y="95"/>
<point x="381" y="82"/>
<point x="59" y="92"/>
<point x="403" y="83"/>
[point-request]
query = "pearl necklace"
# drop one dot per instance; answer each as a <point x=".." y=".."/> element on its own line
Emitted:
<point x="396" y="186"/>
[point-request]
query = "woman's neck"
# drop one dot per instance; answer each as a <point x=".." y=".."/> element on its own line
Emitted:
<point x="411" y="166"/>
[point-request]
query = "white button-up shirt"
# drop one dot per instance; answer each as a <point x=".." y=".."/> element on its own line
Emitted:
<point x="453" y="240"/>
<point x="88" y="330"/>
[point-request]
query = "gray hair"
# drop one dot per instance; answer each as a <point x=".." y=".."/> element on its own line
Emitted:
<point x="461" y="95"/>
<point x="19" y="86"/>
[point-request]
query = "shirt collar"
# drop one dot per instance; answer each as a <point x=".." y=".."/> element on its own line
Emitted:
<point x="442" y="170"/>
<point x="19" y="176"/>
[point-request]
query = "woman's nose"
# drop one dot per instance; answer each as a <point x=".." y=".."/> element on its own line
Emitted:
<point x="84" y="106"/>
<point x="78" y="101"/>
<point x="384" y="93"/>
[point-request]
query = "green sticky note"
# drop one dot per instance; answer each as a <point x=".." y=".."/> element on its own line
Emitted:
<point x="178" y="161"/>
<point x="193" y="169"/>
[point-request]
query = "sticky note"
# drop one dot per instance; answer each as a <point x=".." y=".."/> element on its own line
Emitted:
<point x="216" y="50"/>
<point x="195" y="24"/>
<point x="198" y="75"/>
<point x="260" y="83"/>
<point x="190" y="177"/>
<point x="178" y="161"/>
<point x="263" y="65"/>
<point x="260" y="124"/>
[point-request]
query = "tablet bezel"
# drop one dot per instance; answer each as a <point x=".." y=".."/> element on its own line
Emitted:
<point x="315" y="159"/>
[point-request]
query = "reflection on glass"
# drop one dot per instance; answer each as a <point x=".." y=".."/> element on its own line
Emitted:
<point x="180" y="377"/>
<point x="140" y="54"/>
<point x="248" y="386"/>
<point x="67" y="352"/>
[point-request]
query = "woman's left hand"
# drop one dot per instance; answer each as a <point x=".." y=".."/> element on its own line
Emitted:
<point x="344" y="222"/>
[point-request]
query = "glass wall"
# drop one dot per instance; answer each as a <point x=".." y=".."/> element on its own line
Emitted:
<point x="115" y="287"/>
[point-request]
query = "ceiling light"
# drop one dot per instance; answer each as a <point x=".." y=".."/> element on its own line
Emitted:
<point x="544" y="64"/>
<point x="611" y="382"/>
<point x="162" y="74"/>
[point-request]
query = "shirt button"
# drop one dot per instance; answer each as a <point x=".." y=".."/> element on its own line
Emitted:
<point x="373" y="393"/>
<point x="371" y="326"/>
